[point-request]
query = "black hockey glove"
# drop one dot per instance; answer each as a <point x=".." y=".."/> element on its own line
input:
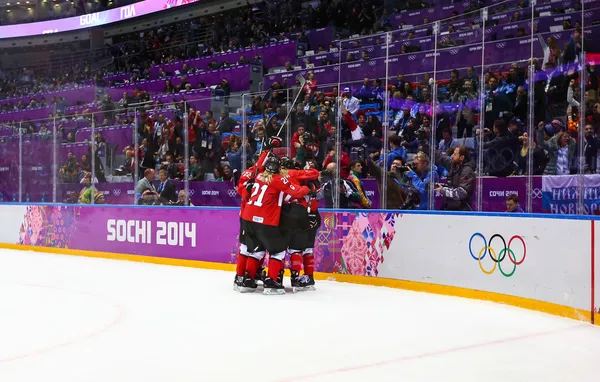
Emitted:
<point x="249" y="185"/>
<point x="313" y="221"/>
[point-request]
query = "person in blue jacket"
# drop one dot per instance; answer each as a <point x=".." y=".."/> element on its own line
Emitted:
<point x="397" y="151"/>
<point x="420" y="178"/>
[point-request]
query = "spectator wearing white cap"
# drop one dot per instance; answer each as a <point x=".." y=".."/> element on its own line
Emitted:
<point x="351" y="103"/>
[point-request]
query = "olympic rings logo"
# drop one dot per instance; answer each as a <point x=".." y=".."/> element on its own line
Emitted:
<point x="498" y="257"/>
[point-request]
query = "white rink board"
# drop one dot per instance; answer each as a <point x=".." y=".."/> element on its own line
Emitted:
<point x="11" y="220"/>
<point x="435" y="249"/>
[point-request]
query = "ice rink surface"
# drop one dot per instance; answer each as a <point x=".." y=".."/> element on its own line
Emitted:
<point x="74" y="319"/>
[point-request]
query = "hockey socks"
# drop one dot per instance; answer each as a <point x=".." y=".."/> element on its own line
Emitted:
<point x="296" y="261"/>
<point x="252" y="266"/>
<point x="309" y="264"/>
<point x="241" y="264"/>
<point x="274" y="267"/>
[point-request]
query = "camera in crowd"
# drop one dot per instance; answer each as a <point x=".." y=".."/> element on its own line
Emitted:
<point x="308" y="139"/>
<point x="421" y="134"/>
<point x="404" y="168"/>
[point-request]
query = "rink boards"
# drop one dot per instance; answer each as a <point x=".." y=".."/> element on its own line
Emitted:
<point x="541" y="262"/>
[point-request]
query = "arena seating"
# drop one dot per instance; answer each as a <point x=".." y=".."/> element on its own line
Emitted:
<point x="335" y="65"/>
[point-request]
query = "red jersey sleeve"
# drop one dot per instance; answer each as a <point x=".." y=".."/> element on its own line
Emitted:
<point x="310" y="174"/>
<point x="260" y="164"/>
<point x="286" y="186"/>
<point x="244" y="178"/>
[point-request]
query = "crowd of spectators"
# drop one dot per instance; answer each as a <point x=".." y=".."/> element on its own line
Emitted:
<point x="216" y="151"/>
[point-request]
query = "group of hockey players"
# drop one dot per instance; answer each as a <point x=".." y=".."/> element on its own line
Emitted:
<point x="279" y="215"/>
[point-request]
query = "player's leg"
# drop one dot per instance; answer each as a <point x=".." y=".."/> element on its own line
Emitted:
<point x="307" y="281"/>
<point x="276" y="244"/>
<point x="241" y="259"/>
<point x="296" y="247"/>
<point x="255" y="255"/>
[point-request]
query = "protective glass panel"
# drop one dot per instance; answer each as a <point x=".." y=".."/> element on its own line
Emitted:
<point x="9" y="161"/>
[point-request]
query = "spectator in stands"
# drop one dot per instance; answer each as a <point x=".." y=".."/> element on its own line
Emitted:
<point x="365" y="91"/>
<point x="344" y="162"/>
<point x="145" y="157"/>
<point x="496" y="103"/>
<point x="226" y="87"/>
<point x="573" y="49"/>
<point x="171" y="167"/>
<point x="458" y="192"/>
<point x="145" y="186"/>
<point x="561" y="152"/>
<point x="348" y="194"/>
<point x="397" y="151"/>
<point x="591" y="145"/>
<point x="44" y="133"/>
<point x="208" y="148"/>
<point x="420" y="179"/>
<point x="473" y="78"/>
<point x="500" y="150"/>
<point x="165" y="146"/>
<point x="354" y="177"/>
<point x="196" y="173"/>
<point x="167" y="193"/>
<point x="226" y="123"/>
<point x="512" y="204"/>
<point x="306" y="148"/>
<point x="86" y="165"/>
<point x="323" y="132"/>
<point x="235" y="154"/>
<point x="310" y="87"/>
<point x="89" y="191"/>
<point x="179" y="150"/>
<point x="169" y="89"/>
<point x="229" y="175"/>
<point x="395" y="196"/>
<point x="159" y="125"/>
<point x="108" y="107"/>
<point x="447" y="142"/>
<point x="182" y="196"/>
<point x="70" y="137"/>
<point x="300" y="131"/>
<point x="70" y="169"/>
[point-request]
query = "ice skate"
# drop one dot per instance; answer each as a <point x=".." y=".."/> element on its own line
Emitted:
<point x="306" y="283"/>
<point x="248" y="285"/>
<point x="272" y="287"/>
<point x="294" y="278"/>
<point x="260" y="276"/>
<point x="238" y="282"/>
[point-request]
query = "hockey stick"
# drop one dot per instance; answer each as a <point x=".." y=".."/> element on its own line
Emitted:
<point x="300" y="78"/>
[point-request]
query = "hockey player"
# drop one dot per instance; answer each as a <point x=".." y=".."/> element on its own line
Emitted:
<point x="261" y="220"/>
<point x="246" y="180"/>
<point x="299" y="220"/>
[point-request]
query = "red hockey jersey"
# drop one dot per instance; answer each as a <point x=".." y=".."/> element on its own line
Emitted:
<point x="246" y="176"/>
<point x="299" y="177"/>
<point x="264" y="206"/>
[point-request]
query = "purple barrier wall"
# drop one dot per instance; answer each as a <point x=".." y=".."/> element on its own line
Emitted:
<point x="238" y="76"/>
<point x="71" y="95"/>
<point x="222" y="194"/>
<point x="273" y="55"/>
<point x="347" y="242"/>
<point x="191" y="234"/>
<point x="448" y="59"/>
<point x="320" y="36"/>
<point x="416" y="17"/>
<point x="495" y="190"/>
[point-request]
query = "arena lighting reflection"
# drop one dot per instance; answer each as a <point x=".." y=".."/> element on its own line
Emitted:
<point x="92" y="19"/>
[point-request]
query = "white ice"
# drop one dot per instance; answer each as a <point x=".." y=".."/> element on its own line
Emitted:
<point x="73" y="319"/>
